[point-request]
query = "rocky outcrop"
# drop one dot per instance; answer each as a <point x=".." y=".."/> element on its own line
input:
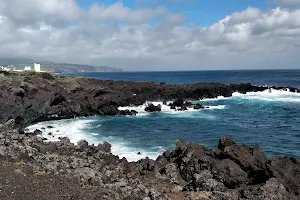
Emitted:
<point x="152" y="108"/>
<point x="181" y="105"/>
<point x="33" y="98"/>
<point x="128" y="112"/>
<point x="287" y="170"/>
<point x="191" y="171"/>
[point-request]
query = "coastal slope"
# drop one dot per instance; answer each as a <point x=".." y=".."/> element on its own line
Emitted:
<point x="191" y="171"/>
<point x="33" y="98"/>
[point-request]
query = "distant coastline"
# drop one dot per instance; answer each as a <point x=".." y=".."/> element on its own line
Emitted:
<point x="17" y="63"/>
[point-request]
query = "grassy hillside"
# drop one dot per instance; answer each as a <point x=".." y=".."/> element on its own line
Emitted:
<point x="20" y="63"/>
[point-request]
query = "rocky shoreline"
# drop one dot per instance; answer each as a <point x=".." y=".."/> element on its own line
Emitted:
<point x="34" y="98"/>
<point x="191" y="171"/>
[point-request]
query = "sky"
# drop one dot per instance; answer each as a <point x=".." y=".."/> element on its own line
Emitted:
<point x="154" y="35"/>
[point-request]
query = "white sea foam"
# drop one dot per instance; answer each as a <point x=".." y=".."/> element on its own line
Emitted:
<point x="70" y="128"/>
<point x="216" y="99"/>
<point x="166" y="109"/>
<point x="76" y="130"/>
<point x="219" y="107"/>
<point x="266" y="95"/>
<point x="270" y="95"/>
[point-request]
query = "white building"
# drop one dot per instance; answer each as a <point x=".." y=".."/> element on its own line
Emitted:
<point x="27" y="68"/>
<point x="3" y="68"/>
<point x="37" y="67"/>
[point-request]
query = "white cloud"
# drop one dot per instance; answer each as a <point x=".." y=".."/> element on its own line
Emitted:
<point x="288" y="3"/>
<point x="61" y="31"/>
<point x="119" y="13"/>
<point x="31" y="12"/>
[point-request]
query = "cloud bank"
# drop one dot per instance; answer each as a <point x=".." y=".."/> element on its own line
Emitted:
<point x="149" y="38"/>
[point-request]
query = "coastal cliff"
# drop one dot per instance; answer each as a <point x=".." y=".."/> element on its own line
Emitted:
<point x="39" y="97"/>
<point x="83" y="171"/>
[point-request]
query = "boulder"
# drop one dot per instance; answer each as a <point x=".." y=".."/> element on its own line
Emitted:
<point x="37" y="132"/>
<point x="64" y="140"/>
<point x="178" y="102"/>
<point x="229" y="173"/>
<point x="146" y="165"/>
<point x="250" y="158"/>
<point x="172" y="172"/>
<point x="198" y="106"/>
<point x="152" y="108"/>
<point x="182" y="108"/>
<point x="273" y="189"/>
<point x="287" y="171"/>
<point x="128" y="112"/>
<point x="225" y="141"/>
<point x="105" y="147"/>
<point x="82" y="144"/>
<point x="108" y="109"/>
<point x="188" y="104"/>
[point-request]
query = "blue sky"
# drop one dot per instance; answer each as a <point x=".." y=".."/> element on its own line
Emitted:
<point x="201" y="12"/>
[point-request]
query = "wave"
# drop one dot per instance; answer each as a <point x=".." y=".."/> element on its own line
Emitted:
<point x="71" y="128"/>
<point x="272" y="95"/>
<point x="79" y="129"/>
<point x="215" y="99"/>
<point x="166" y="109"/>
<point x="219" y="107"/>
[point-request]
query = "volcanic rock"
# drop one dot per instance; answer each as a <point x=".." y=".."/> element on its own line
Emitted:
<point x="198" y="106"/>
<point x="152" y="108"/>
<point x="37" y="132"/>
<point x="128" y="112"/>
<point x="287" y="171"/>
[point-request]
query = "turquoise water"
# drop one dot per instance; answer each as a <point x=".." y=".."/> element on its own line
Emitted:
<point x="268" y="119"/>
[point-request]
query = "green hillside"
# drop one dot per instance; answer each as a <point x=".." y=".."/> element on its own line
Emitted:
<point x="20" y="63"/>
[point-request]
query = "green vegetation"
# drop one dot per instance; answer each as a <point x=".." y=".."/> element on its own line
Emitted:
<point x="56" y="67"/>
<point x="19" y="164"/>
<point x="45" y="75"/>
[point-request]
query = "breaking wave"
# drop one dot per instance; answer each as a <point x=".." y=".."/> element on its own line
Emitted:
<point x="270" y="95"/>
<point x="167" y="110"/>
<point x="78" y="129"/>
<point x="266" y="95"/>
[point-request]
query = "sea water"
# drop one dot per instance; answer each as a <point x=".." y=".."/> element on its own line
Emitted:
<point x="268" y="118"/>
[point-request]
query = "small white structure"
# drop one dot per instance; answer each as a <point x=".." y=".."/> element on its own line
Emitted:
<point x="27" y="68"/>
<point x="3" y="68"/>
<point x="37" y="67"/>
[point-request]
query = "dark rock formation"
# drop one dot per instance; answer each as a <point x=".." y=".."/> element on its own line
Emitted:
<point x="152" y="108"/>
<point x="178" y="102"/>
<point x="191" y="171"/>
<point x="128" y="112"/>
<point x="37" y="132"/>
<point x="287" y="170"/>
<point x="198" y="106"/>
<point x="33" y="98"/>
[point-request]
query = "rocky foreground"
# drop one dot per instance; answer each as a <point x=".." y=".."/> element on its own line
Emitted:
<point x="34" y="169"/>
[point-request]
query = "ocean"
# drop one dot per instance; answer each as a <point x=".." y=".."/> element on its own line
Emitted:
<point x="269" y="119"/>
